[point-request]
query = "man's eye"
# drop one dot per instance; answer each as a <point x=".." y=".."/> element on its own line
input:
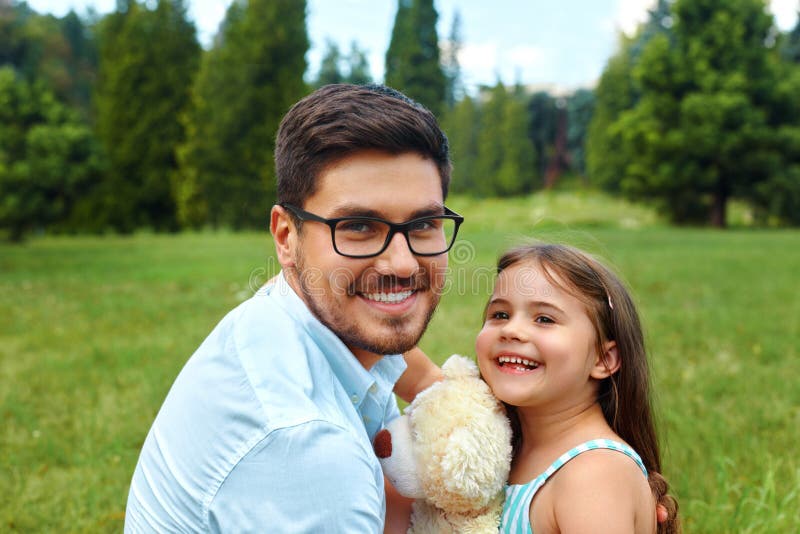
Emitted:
<point x="423" y="226"/>
<point x="355" y="227"/>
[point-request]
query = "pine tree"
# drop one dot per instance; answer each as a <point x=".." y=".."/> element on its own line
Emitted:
<point x="412" y="60"/>
<point x="580" y="108"/>
<point x="246" y="84"/>
<point x="791" y="46"/>
<point x="461" y="126"/>
<point x="329" y="69"/>
<point x="714" y="120"/>
<point x="49" y="161"/>
<point x="358" y="71"/>
<point x="148" y="58"/>
<point x="450" y="64"/>
<point x="542" y="129"/>
<point x="505" y="162"/>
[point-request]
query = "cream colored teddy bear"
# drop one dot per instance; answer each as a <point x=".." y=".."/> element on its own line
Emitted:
<point x="451" y="451"/>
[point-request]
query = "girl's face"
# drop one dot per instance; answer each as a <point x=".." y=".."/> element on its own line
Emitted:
<point x="538" y="346"/>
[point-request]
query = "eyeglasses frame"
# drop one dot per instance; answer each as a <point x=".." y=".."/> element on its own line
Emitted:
<point x="394" y="228"/>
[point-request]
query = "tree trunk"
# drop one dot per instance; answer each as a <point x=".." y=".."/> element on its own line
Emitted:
<point x="719" y="208"/>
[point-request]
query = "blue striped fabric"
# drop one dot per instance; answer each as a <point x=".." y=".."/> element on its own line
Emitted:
<point x="516" y="510"/>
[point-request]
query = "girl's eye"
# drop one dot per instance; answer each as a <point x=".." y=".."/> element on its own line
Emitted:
<point x="544" y="320"/>
<point x="498" y="315"/>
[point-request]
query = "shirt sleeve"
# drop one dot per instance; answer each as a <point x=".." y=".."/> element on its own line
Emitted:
<point x="313" y="477"/>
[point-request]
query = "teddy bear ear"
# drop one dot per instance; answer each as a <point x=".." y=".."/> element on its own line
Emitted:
<point x="458" y="366"/>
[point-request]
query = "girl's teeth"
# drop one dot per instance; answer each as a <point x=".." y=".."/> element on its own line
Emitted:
<point x="389" y="297"/>
<point x="519" y="361"/>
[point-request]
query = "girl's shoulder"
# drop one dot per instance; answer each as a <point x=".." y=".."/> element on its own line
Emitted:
<point x="603" y="489"/>
<point x="600" y="490"/>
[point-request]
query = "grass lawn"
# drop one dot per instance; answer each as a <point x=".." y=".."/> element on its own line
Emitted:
<point x="94" y="330"/>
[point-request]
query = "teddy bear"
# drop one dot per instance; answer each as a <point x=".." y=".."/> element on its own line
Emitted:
<point x="451" y="451"/>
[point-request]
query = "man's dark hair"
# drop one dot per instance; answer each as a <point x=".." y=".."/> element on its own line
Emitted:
<point x="338" y="120"/>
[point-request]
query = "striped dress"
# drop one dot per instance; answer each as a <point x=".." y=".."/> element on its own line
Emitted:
<point x="516" y="510"/>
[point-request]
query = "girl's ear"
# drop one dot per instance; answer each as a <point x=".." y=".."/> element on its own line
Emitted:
<point x="606" y="363"/>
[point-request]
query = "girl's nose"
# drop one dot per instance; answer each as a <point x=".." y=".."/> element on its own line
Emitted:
<point x="513" y="330"/>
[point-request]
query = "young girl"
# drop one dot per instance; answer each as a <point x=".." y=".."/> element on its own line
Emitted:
<point x="562" y="347"/>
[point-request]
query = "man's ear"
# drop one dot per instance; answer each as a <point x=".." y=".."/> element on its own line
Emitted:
<point x="284" y="233"/>
<point x="606" y="363"/>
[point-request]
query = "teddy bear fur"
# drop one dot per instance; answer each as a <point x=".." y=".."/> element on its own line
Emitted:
<point x="451" y="451"/>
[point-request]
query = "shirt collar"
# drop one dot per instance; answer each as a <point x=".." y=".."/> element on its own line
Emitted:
<point x="355" y="380"/>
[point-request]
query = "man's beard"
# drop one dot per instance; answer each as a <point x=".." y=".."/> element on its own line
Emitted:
<point x="401" y="339"/>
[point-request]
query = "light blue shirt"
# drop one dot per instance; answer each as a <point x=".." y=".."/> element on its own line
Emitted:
<point x="268" y="428"/>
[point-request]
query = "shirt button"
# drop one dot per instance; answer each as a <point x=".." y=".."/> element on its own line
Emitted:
<point x="373" y="389"/>
<point x="354" y="398"/>
<point x="366" y="419"/>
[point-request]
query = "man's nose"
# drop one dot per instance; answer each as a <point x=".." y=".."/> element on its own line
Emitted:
<point x="397" y="259"/>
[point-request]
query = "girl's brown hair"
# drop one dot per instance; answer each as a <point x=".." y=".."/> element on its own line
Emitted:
<point x="625" y="395"/>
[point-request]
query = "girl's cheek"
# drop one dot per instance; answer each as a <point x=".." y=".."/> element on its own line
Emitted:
<point x="482" y="344"/>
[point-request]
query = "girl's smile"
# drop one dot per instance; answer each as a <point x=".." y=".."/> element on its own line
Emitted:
<point x="538" y="345"/>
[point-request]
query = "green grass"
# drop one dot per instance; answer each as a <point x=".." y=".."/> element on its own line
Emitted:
<point x="94" y="330"/>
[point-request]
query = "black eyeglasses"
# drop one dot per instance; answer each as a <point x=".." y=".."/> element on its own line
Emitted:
<point x="365" y="237"/>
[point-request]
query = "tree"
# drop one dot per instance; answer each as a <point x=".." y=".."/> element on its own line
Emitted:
<point x="542" y="128"/>
<point x="705" y="128"/>
<point x="49" y="160"/>
<point x="329" y="69"/>
<point x="148" y="58"/>
<point x="615" y="93"/>
<point x="505" y="163"/>
<point x="58" y="52"/>
<point x="358" y="66"/>
<point x="246" y="84"/>
<point x="450" y="64"/>
<point x="412" y="60"/>
<point x="791" y="45"/>
<point x="461" y="125"/>
<point x="580" y="107"/>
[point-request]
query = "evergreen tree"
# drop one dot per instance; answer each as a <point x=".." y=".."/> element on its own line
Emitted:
<point x="542" y="129"/>
<point x="329" y="69"/>
<point x="706" y="128"/>
<point x="505" y="157"/>
<point x="617" y="92"/>
<point x="60" y="53"/>
<point x="358" y="66"/>
<point x="516" y="174"/>
<point x="49" y="161"/>
<point x="412" y="60"/>
<point x="450" y="64"/>
<point x="580" y="107"/>
<point x="246" y="84"/>
<point x="461" y="125"/>
<point x="791" y="46"/>
<point x="148" y="58"/>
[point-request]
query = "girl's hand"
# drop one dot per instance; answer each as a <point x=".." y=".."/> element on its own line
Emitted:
<point x="420" y="374"/>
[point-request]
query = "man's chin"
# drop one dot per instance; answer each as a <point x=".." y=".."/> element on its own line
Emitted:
<point x="392" y="343"/>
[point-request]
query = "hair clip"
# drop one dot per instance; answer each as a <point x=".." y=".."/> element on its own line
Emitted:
<point x="610" y="304"/>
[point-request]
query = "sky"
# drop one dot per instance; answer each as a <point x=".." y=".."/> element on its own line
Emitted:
<point x="559" y="45"/>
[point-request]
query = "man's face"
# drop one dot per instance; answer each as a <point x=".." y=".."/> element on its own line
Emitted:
<point x="378" y="305"/>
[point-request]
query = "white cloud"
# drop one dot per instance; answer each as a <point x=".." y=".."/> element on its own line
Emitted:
<point x="478" y="56"/>
<point x="785" y="12"/>
<point x="630" y="13"/>
<point x="526" y="56"/>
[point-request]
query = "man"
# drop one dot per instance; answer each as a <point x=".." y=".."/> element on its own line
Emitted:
<point x="269" y="425"/>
